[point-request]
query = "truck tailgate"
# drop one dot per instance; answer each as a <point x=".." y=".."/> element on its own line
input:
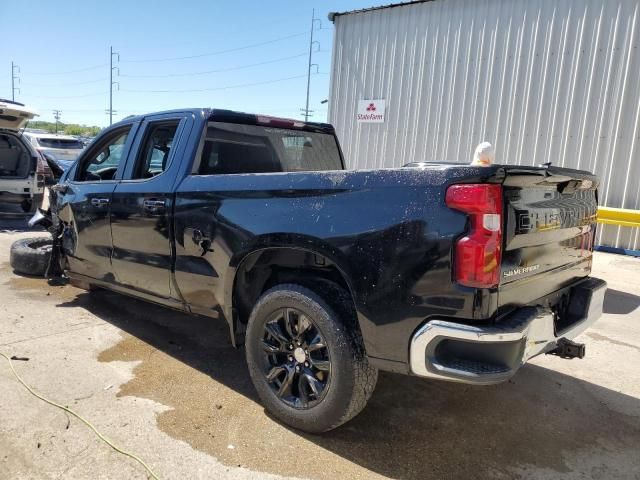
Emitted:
<point x="550" y="221"/>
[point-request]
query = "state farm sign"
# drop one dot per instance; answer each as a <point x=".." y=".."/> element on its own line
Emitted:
<point x="370" y="111"/>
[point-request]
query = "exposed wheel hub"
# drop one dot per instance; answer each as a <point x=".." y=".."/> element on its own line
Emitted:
<point x="299" y="355"/>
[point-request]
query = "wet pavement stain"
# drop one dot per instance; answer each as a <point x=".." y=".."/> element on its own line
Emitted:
<point x="217" y="419"/>
<point x="37" y="288"/>
<point x="412" y="428"/>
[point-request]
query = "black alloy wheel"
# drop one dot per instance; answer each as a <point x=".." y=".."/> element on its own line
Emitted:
<point x="296" y="358"/>
<point x="306" y="357"/>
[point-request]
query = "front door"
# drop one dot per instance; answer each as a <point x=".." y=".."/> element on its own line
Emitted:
<point x="84" y="204"/>
<point x="141" y="207"/>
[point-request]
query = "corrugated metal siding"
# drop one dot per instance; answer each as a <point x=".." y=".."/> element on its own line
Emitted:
<point x="542" y="80"/>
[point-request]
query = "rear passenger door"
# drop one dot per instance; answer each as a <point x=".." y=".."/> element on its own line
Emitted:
<point x="142" y="204"/>
<point x="217" y="200"/>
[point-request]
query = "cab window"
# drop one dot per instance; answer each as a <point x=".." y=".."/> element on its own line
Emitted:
<point x="103" y="161"/>
<point x="153" y="158"/>
<point x="238" y="148"/>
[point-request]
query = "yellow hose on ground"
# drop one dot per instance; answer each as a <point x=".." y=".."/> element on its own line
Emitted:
<point x="81" y="418"/>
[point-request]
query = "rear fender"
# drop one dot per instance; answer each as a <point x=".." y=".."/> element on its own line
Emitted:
<point x="274" y="254"/>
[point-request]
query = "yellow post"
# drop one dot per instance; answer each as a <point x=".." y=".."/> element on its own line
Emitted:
<point x="622" y="217"/>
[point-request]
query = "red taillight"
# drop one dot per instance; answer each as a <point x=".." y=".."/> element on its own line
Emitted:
<point x="478" y="254"/>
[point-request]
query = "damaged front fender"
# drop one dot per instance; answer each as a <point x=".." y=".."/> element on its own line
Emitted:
<point x="47" y="217"/>
<point x="40" y="218"/>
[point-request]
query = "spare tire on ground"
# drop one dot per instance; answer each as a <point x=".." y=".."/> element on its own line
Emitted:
<point x="30" y="256"/>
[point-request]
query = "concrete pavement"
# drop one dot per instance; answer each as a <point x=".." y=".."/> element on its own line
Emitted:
<point x="171" y="389"/>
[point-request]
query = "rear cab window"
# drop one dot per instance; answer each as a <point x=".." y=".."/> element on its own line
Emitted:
<point x="236" y="148"/>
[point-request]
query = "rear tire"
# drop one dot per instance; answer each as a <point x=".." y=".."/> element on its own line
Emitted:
<point x="314" y="375"/>
<point x="30" y="256"/>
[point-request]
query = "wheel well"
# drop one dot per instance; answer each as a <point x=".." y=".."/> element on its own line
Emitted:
<point x="263" y="270"/>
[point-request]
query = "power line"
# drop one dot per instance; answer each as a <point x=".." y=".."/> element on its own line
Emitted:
<point x="217" y="88"/>
<point x="219" y="52"/>
<point x="94" y="110"/>
<point x="206" y="72"/>
<point x="85" y="109"/>
<point x="68" y="96"/>
<point x="95" y="67"/>
<point x="66" y="84"/>
<point x="228" y="87"/>
<point x="249" y="27"/>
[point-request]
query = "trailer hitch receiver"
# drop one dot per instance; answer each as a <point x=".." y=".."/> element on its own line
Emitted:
<point x="567" y="349"/>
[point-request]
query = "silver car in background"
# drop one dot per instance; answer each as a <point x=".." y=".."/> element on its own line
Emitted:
<point x="63" y="149"/>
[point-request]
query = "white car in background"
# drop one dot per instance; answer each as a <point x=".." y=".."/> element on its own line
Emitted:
<point x="22" y="169"/>
<point x="63" y="149"/>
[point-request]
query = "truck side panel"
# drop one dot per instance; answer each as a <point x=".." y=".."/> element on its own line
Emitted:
<point x="388" y="231"/>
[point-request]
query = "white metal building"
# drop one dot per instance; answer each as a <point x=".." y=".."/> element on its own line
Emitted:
<point x="542" y="80"/>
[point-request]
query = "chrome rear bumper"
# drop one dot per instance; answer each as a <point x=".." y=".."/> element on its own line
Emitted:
<point x="491" y="354"/>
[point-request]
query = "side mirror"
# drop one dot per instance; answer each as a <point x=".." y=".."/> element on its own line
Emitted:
<point x="60" y="188"/>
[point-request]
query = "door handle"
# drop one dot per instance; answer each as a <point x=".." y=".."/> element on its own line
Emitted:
<point x="154" y="206"/>
<point x="99" y="202"/>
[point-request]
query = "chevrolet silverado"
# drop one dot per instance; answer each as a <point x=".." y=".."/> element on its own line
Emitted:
<point x="439" y="270"/>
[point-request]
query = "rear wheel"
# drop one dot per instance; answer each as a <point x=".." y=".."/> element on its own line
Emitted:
<point x="31" y="256"/>
<point x="307" y="361"/>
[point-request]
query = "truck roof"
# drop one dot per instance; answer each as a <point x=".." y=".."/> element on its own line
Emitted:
<point x="232" y="116"/>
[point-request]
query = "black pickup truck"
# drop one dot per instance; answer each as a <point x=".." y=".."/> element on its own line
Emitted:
<point x="439" y="270"/>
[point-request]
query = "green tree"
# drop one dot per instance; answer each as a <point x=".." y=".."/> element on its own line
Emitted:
<point x="66" y="128"/>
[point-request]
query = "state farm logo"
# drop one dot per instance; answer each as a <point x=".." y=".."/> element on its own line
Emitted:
<point x="371" y="111"/>
<point x="371" y="117"/>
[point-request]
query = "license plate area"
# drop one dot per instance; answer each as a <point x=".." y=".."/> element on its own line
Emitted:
<point x="577" y="303"/>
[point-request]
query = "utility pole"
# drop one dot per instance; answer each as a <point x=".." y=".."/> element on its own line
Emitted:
<point x="111" y="82"/>
<point x="306" y="112"/>
<point x="15" y="69"/>
<point x="56" y="115"/>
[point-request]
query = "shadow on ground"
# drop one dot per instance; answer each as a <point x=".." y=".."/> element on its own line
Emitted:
<point x="411" y="429"/>
<point x="620" y="303"/>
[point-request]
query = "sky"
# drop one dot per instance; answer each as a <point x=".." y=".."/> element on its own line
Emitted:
<point x="246" y="55"/>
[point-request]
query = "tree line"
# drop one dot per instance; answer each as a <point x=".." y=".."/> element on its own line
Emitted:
<point x="65" y="128"/>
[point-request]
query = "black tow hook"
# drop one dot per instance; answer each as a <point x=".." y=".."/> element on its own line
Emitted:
<point x="567" y="349"/>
